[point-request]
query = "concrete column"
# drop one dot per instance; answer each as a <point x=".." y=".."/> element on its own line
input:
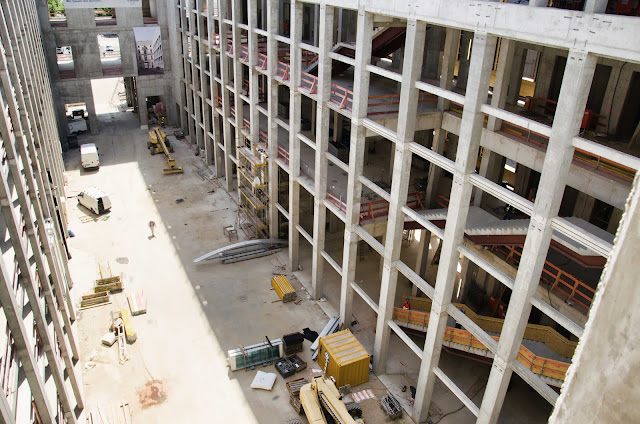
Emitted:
<point x="295" y="109"/>
<point x="356" y="158"/>
<point x="538" y="3"/>
<point x="6" y="414"/>
<point x="422" y="258"/>
<point x="432" y="53"/>
<point x="49" y="154"/>
<point x="546" y="64"/>
<point x="515" y="77"/>
<point x="463" y="280"/>
<point x="254" y="113"/>
<point x="316" y="26"/>
<point x="571" y="104"/>
<point x="491" y="167"/>
<point x="325" y="15"/>
<point x="448" y="64"/>
<point x="272" y="114"/>
<point x="16" y="67"/>
<point x="12" y="312"/>
<point x="412" y="68"/>
<point x="614" y="221"/>
<point x="435" y="171"/>
<point x="238" y="78"/>
<point x="470" y="133"/>
<point x="583" y="207"/>
<point x="609" y="94"/>
<point x="337" y="126"/>
<point x="226" y="112"/>
<point x="595" y="6"/>
<point x="212" y="121"/>
<point x="619" y="97"/>
<point x="464" y="60"/>
<point x="501" y="82"/>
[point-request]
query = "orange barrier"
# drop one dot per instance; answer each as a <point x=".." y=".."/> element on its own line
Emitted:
<point x="538" y="365"/>
<point x="339" y="203"/>
<point x="67" y="74"/>
<point x="111" y="70"/>
<point x="540" y="333"/>
<point x="263" y="138"/>
<point x="283" y="154"/>
<point x="558" y="280"/>
<point x="379" y="208"/>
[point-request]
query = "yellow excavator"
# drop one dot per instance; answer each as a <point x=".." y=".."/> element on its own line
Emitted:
<point x="323" y="404"/>
<point x="158" y="143"/>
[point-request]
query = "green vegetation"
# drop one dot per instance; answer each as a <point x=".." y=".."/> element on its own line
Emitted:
<point x="55" y="6"/>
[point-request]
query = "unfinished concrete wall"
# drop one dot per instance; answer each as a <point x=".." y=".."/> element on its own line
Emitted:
<point x="603" y="379"/>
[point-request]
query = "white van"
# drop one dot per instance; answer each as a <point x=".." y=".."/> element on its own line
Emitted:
<point x="94" y="200"/>
<point x="89" y="156"/>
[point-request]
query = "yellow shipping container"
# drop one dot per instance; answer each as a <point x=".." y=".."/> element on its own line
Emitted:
<point x="348" y="361"/>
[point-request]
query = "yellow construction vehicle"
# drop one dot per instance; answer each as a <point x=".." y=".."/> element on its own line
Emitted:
<point x="158" y="143"/>
<point x="322" y="404"/>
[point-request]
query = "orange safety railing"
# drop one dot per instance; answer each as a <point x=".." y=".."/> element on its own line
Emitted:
<point x="394" y="100"/>
<point x="589" y="159"/>
<point x="380" y="208"/>
<point x="67" y="74"/>
<point x="283" y="154"/>
<point x="244" y="53"/>
<point x="538" y="365"/>
<point x="442" y="201"/>
<point x="341" y="96"/>
<point x="282" y="71"/>
<point x="262" y="61"/>
<point x="111" y="70"/>
<point x="263" y="138"/>
<point x="309" y="83"/>
<point x="558" y="280"/>
<point x="342" y="206"/>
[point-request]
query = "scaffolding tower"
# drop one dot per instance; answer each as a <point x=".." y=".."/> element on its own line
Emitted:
<point x="252" y="188"/>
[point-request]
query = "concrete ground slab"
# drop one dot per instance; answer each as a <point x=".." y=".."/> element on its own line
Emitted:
<point x="177" y="371"/>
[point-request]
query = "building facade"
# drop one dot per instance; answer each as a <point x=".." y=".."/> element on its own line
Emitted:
<point x="499" y="134"/>
<point x="38" y="347"/>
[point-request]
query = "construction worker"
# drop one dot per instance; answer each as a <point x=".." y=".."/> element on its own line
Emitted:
<point x="406" y="304"/>
<point x="163" y="121"/>
<point x="152" y="227"/>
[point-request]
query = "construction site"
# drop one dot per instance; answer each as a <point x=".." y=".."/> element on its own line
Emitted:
<point x="319" y="211"/>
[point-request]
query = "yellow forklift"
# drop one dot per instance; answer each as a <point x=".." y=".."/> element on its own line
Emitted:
<point x="158" y="143"/>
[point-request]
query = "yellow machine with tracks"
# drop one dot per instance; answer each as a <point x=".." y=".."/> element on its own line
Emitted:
<point x="322" y="404"/>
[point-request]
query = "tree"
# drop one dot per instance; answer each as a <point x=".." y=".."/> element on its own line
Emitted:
<point x="55" y="6"/>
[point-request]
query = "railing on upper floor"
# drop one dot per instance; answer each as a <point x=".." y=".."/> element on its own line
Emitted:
<point x="458" y="338"/>
<point x="559" y="281"/>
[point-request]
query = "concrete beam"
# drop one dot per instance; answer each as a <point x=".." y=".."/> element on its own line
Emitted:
<point x="553" y="27"/>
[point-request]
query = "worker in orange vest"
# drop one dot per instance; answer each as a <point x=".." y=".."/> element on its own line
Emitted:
<point x="406" y="304"/>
